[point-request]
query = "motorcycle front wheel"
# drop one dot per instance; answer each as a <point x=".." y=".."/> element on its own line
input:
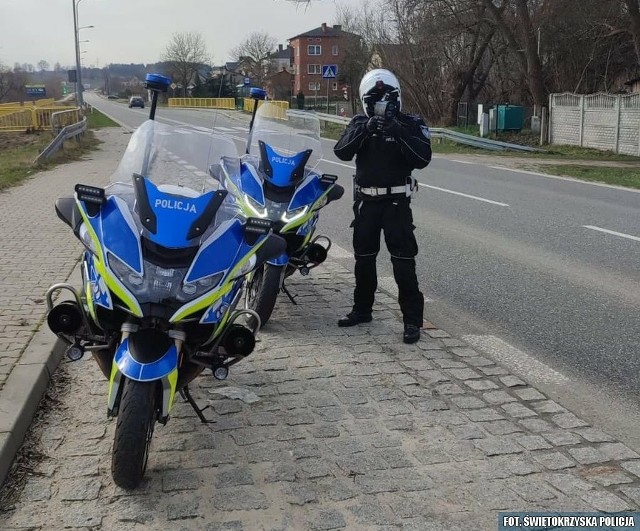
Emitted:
<point x="262" y="291"/>
<point x="134" y="429"/>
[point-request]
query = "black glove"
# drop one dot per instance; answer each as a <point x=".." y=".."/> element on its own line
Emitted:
<point x="392" y="127"/>
<point x="375" y="124"/>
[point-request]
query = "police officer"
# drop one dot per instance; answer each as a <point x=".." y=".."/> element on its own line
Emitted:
<point x="388" y="145"/>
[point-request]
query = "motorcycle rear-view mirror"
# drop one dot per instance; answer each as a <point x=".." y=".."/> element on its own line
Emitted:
<point x="272" y="248"/>
<point x="67" y="211"/>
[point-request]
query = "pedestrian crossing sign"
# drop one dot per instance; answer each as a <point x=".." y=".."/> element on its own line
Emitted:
<point x="329" y="71"/>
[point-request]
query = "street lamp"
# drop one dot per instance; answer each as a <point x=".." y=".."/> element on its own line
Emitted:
<point x="76" y="32"/>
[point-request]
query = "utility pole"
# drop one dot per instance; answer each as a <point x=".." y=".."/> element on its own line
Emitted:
<point x="79" y="100"/>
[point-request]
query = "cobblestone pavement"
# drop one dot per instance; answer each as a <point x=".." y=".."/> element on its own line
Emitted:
<point x="37" y="248"/>
<point x="349" y="429"/>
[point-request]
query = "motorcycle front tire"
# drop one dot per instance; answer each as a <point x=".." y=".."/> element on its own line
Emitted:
<point x="263" y="291"/>
<point x="134" y="429"/>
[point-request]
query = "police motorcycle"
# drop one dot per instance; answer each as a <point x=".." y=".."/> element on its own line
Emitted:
<point x="278" y="182"/>
<point x="165" y="260"/>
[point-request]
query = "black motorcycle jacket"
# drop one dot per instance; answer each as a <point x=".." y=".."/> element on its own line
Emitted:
<point x="385" y="158"/>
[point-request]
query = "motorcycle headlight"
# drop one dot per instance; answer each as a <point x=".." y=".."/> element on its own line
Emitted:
<point x="246" y="267"/>
<point x="322" y="202"/>
<point x="293" y="215"/>
<point x="127" y="276"/>
<point x="86" y="239"/>
<point x="255" y="207"/>
<point x="193" y="290"/>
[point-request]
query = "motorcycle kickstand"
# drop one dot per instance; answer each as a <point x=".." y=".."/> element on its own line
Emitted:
<point x="186" y="394"/>
<point x="288" y="293"/>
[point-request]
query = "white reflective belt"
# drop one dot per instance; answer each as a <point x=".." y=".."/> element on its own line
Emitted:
<point x="382" y="191"/>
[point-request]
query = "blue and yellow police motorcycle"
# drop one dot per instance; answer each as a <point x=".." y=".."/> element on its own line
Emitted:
<point x="278" y="181"/>
<point x="165" y="260"/>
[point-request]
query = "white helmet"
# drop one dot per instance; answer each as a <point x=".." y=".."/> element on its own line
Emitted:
<point x="377" y="85"/>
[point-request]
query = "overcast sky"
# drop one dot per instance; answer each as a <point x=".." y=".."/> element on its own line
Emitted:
<point x="138" y="31"/>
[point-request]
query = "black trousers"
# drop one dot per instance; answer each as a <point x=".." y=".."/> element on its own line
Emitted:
<point x="394" y="217"/>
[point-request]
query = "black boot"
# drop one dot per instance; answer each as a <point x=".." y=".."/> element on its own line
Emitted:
<point x="411" y="333"/>
<point x="354" y="318"/>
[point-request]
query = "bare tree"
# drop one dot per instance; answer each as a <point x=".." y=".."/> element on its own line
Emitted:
<point x="185" y="54"/>
<point x="633" y="10"/>
<point x="255" y="52"/>
<point x="517" y="51"/>
<point x="5" y="81"/>
<point x="43" y="65"/>
<point x="362" y="31"/>
<point x="11" y="84"/>
<point x="515" y="21"/>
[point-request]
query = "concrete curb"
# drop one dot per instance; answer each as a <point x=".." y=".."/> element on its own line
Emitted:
<point x="26" y="385"/>
<point x="23" y="390"/>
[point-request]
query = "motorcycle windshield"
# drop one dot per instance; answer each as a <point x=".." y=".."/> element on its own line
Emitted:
<point x="163" y="177"/>
<point x="174" y="157"/>
<point x="280" y="139"/>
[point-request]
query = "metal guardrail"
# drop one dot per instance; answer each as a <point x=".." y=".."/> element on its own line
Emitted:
<point x="248" y="104"/>
<point x="62" y="119"/>
<point x="21" y="118"/>
<point x="204" y="103"/>
<point x="68" y="132"/>
<point x="454" y="136"/>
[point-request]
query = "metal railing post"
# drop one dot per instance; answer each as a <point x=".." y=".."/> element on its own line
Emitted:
<point x="618" y="117"/>
<point x="581" y="137"/>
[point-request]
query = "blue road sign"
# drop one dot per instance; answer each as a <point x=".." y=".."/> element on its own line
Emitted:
<point x="329" y="71"/>
<point x="38" y="91"/>
<point x="247" y="81"/>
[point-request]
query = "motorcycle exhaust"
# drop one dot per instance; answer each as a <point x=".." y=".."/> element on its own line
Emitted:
<point x="65" y="318"/>
<point x="239" y="341"/>
<point x="316" y="253"/>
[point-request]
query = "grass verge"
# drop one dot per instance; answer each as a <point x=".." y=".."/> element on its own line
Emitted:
<point x="332" y="131"/>
<point x="629" y="177"/>
<point x="97" y="120"/>
<point x="551" y="152"/>
<point x="19" y="150"/>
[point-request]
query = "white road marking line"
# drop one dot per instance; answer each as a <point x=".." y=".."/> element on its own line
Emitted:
<point x="388" y="284"/>
<point x="464" y="195"/>
<point x="462" y="161"/>
<point x="338" y="163"/>
<point x="607" y="231"/>
<point x="516" y="360"/>
<point x="339" y="252"/>
<point x="570" y="179"/>
<point x="190" y="167"/>
<point x="204" y="129"/>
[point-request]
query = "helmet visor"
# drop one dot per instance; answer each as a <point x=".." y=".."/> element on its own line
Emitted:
<point x="381" y="92"/>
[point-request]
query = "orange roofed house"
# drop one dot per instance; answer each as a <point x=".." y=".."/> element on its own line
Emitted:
<point x="312" y="50"/>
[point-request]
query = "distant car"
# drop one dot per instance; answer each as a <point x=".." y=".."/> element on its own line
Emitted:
<point x="112" y="97"/>
<point x="136" y="101"/>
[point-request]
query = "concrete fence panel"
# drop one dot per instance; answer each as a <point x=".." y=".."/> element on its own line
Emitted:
<point x="602" y="121"/>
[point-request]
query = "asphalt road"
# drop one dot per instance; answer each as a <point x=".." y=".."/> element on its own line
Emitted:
<point x="540" y="271"/>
